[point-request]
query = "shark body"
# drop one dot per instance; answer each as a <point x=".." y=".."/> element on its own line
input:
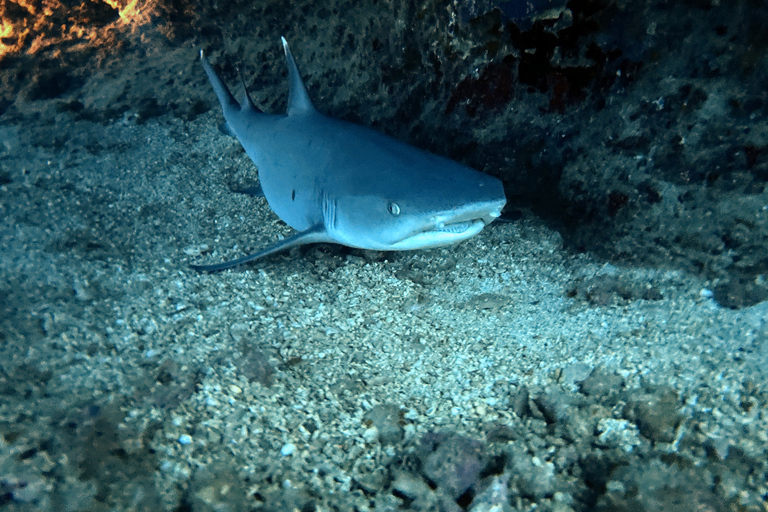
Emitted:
<point x="337" y="182"/>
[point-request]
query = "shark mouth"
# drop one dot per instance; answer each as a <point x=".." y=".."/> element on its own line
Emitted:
<point x="440" y="235"/>
<point x="454" y="227"/>
<point x="451" y="227"/>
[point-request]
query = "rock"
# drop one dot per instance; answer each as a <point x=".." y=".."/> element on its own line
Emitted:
<point x="656" y="415"/>
<point x="518" y="402"/>
<point x="534" y="478"/>
<point x="455" y="464"/>
<point x="387" y="419"/>
<point x="601" y="383"/>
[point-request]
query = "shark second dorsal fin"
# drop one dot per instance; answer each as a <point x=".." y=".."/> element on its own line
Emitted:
<point x="246" y="101"/>
<point x="298" y="100"/>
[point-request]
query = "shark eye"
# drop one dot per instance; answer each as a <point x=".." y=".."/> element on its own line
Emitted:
<point x="393" y="208"/>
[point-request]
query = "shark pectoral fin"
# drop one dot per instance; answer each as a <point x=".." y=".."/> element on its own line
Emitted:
<point x="509" y="216"/>
<point x="310" y="236"/>
<point x="226" y="129"/>
<point x="254" y="191"/>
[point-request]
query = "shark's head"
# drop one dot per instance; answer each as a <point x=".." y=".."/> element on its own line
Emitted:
<point x="408" y="219"/>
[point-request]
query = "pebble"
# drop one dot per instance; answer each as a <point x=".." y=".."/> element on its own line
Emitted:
<point x="195" y="250"/>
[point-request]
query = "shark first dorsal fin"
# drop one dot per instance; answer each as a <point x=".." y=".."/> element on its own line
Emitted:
<point x="298" y="99"/>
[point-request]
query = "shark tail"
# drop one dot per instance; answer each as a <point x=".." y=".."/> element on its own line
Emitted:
<point x="228" y="102"/>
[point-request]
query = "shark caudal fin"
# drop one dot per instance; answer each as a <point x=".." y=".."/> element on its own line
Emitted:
<point x="228" y="102"/>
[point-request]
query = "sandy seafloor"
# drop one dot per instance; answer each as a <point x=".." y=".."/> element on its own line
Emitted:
<point x="501" y="374"/>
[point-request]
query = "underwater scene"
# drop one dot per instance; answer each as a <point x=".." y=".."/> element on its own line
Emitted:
<point x="383" y="255"/>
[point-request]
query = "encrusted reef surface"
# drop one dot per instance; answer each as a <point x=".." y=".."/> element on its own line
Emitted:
<point x="606" y="351"/>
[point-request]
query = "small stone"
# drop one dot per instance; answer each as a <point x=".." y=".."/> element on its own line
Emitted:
<point x="386" y="419"/>
<point x="616" y="433"/>
<point x="410" y="487"/>
<point x="287" y="450"/>
<point x="185" y="439"/>
<point x="196" y="250"/>
<point x="455" y="464"/>
<point x="656" y="415"/>
<point x="371" y="435"/>
<point x="534" y="478"/>
<point x="575" y="374"/>
<point x="554" y="405"/>
<point x="518" y="402"/>
<point x="601" y="383"/>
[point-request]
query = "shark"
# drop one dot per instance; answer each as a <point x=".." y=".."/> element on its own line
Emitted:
<point x="337" y="182"/>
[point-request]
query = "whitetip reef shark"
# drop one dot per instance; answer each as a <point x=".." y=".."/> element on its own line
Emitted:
<point x="337" y="182"/>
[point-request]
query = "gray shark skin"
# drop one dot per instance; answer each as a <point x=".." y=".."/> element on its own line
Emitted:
<point x="333" y="181"/>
